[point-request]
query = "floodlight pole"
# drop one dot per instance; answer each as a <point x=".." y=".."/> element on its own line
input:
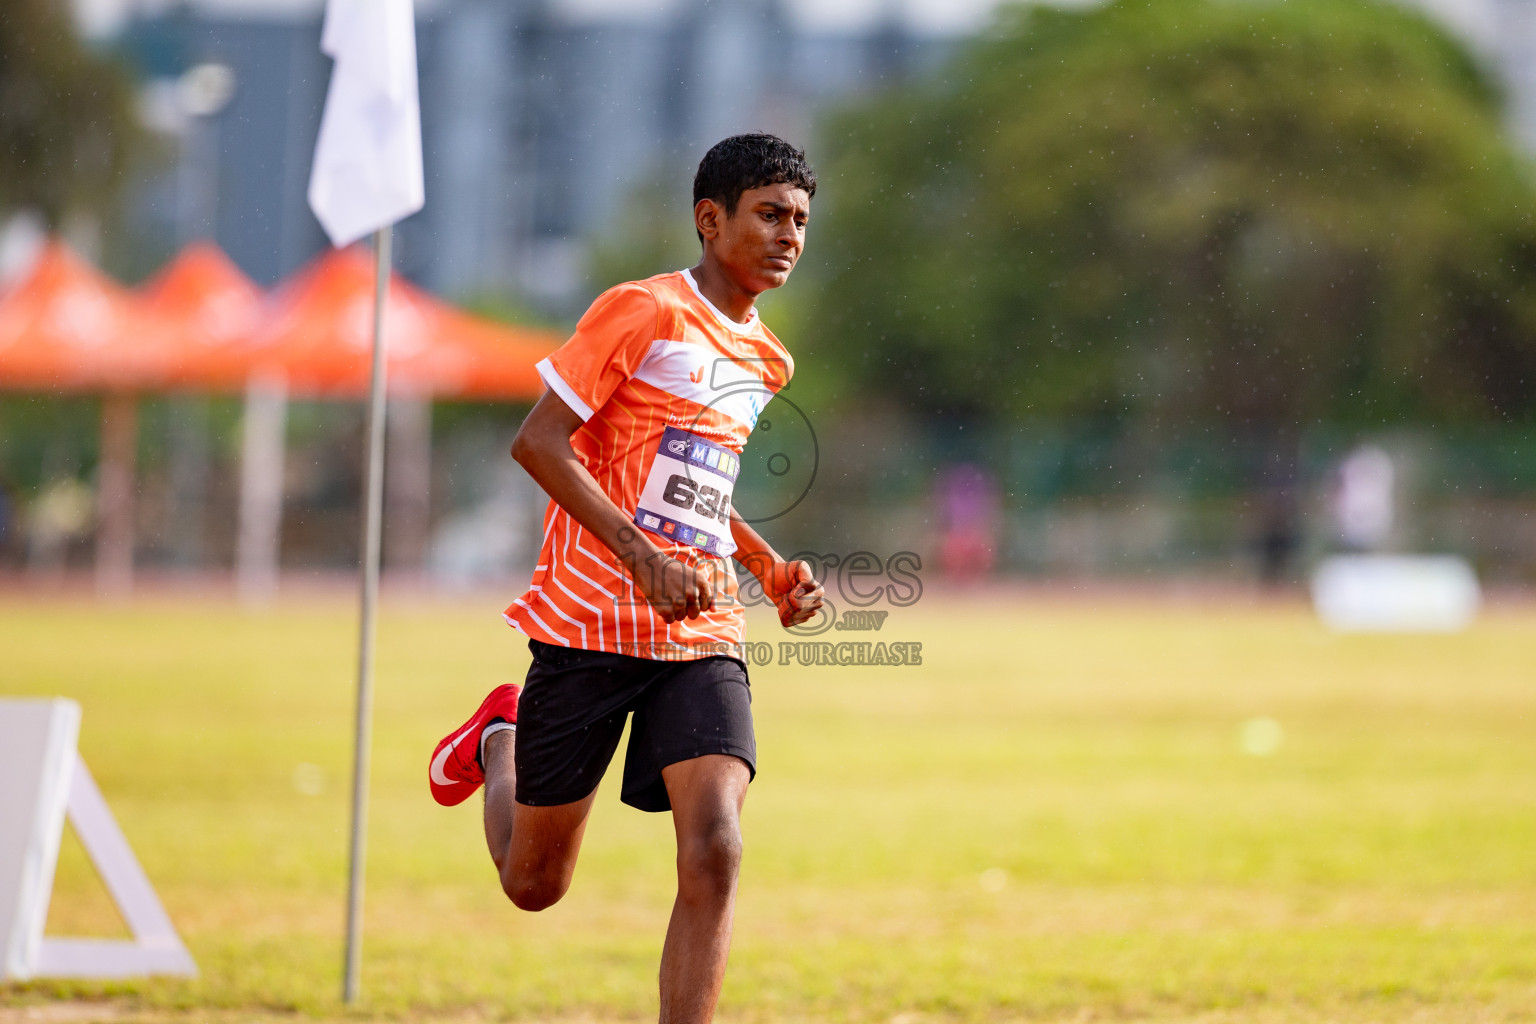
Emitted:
<point x="373" y="514"/>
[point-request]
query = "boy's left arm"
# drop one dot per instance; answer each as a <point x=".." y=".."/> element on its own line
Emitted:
<point x="789" y="585"/>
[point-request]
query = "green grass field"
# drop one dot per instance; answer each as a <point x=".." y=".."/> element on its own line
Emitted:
<point x="1053" y="818"/>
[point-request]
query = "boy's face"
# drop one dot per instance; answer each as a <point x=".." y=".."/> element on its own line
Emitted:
<point x="761" y="242"/>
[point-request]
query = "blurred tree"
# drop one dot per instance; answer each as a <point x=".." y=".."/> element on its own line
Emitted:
<point x="67" y="124"/>
<point x="1169" y="212"/>
<point x="652" y="234"/>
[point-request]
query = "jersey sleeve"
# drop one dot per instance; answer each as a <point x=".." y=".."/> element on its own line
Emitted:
<point x="611" y="340"/>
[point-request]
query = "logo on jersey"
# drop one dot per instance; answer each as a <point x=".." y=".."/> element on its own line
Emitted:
<point x="738" y="387"/>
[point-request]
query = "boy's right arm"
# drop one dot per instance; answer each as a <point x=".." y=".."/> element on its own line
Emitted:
<point x="789" y="585"/>
<point x="543" y="447"/>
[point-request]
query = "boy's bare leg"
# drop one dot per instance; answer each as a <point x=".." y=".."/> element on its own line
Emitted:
<point x="534" y="848"/>
<point x="707" y="794"/>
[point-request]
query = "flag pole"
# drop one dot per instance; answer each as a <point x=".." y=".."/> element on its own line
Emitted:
<point x="373" y="506"/>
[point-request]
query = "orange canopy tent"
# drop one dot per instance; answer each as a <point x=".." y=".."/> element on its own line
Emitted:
<point x="216" y="306"/>
<point x="315" y="336"/>
<point x="67" y="327"/>
<point x="201" y="325"/>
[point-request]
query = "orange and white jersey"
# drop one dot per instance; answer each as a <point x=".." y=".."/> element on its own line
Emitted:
<point x="669" y="389"/>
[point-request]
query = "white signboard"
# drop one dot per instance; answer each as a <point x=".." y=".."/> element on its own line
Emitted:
<point x="1396" y="593"/>
<point x="43" y="781"/>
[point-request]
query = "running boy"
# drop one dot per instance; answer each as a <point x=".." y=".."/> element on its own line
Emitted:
<point x="633" y="605"/>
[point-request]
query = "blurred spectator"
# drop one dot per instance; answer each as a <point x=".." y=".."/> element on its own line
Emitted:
<point x="1278" y="536"/>
<point x="63" y="512"/>
<point x="970" y="514"/>
<point x="1363" y="509"/>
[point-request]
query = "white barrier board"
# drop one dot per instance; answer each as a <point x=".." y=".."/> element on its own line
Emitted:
<point x="1396" y="593"/>
<point x="43" y="781"/>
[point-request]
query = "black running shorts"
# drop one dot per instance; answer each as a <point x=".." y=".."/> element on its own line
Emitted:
<point x="572" y="711"/>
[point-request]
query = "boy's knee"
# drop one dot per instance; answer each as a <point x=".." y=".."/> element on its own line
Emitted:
<point x="711" y="860"/>
<point x="533" y="893"/>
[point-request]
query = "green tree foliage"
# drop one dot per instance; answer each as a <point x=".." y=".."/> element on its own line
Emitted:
<point x="67" y="126"/>
<point x="1176" y="211"/>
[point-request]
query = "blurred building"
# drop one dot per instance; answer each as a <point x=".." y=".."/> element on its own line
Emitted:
<point x="541" y="119"/>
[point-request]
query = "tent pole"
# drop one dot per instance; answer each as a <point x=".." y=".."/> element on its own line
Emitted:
<point x="258" y="541"/>
<point x="188" y="490"/>
<point x="408" y="482"/>
<point x="115" y="486"/>
<point x="372" y="522"/>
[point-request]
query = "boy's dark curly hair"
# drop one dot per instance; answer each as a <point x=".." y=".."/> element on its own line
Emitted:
<point x="742" y="162"/>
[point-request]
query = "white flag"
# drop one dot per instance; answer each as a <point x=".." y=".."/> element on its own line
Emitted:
<point x="367" y="171"/>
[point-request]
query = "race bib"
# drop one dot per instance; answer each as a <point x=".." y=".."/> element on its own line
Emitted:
<point x="687" y="496"/>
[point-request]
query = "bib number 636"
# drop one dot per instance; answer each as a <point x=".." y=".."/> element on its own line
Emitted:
<point x="686" y="494"/>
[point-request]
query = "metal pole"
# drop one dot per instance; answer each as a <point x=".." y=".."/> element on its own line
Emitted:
<point x="115" y="487"/>
<point x="372" y="522"/>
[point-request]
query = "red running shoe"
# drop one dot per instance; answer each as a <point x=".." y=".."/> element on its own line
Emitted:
<point x="456" y="771"/>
